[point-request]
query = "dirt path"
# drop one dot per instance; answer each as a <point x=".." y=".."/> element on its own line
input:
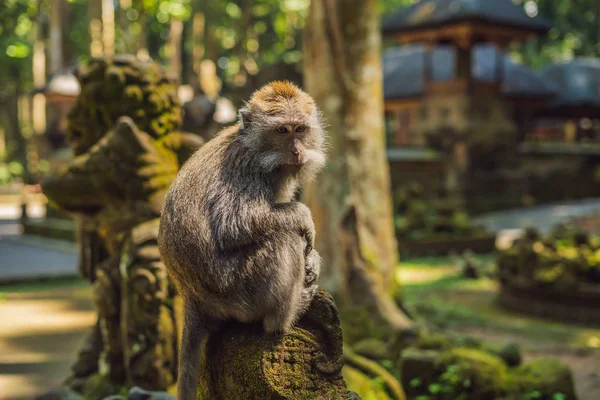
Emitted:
<point x="41" y="330"/>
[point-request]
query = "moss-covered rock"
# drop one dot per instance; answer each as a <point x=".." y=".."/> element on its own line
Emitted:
<point x="419" y="370"/>
<point x="241" y="362"/>
<point x="546" y="379"/>
<point x="561" y="261"/>
<point x="471" y="374"/>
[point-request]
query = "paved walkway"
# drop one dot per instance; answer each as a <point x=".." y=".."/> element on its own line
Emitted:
<point x="540" y="217"/>
<point x="41" y="331"/>
<point x="509" y="224"/>
<point x="24" y="258"/>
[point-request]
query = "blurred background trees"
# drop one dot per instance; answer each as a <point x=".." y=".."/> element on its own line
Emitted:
<point x="243" y="42"/>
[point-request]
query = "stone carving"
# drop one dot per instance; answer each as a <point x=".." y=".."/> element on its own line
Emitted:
<point x="242" y="362"/>
<point x="124" y="132"/>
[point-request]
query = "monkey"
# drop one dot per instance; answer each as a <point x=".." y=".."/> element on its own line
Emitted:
<point x="233" y="240"/>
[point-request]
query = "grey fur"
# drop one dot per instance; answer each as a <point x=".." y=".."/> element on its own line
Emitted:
<point x="233" y="240"/>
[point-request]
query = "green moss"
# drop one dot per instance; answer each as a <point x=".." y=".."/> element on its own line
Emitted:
<point x="545" y="379"/>
<point x="470" y="374"/>
<point x="560" y="261"/>
<point x="241" y="362"/>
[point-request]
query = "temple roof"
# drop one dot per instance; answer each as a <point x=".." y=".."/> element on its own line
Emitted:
<point x="403" y="69"/>
<point x="434" y="13"/>
<point x="578" y="82"/>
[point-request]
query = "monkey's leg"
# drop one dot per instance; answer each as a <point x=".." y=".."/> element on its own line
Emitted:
<point x="286" y="310"/>
<point x="196" y="328"/>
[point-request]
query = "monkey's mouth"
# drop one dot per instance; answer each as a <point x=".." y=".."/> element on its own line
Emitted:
<point x="296" y="162"/>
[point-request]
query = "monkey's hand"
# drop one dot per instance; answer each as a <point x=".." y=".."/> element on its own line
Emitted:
<point x="312" y="268"/>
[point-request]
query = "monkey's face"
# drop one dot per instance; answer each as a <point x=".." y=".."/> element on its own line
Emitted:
<point x="289" y="140"/>
<point x="282" y="126"/>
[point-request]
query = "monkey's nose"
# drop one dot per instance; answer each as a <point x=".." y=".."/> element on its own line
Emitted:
<point x="295" y="151"/>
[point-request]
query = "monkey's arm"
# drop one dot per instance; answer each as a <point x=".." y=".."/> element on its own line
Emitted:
<point x="265" y="221"/>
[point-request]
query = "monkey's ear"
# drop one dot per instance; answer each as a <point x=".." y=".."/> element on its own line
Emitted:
<point x="245" y="117"/>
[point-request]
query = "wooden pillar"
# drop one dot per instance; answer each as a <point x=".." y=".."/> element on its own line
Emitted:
<point x="39" y="76"/>
<point x="427" y="64"/>
<point x="464" y="60"/>
<point x="500" y="48"/>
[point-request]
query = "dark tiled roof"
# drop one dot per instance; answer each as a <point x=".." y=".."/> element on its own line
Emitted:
<point x="431" y="13"/>
<point x="403" y="71"/>
<point x="578" y="82"/>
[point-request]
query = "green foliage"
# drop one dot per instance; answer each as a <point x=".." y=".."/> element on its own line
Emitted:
<point x="10" y="171"/>
<point x="575" y="31"/>
<point x="246" y="36"/>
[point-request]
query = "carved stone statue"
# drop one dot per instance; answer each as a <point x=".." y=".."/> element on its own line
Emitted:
<point x="124" y="132"/>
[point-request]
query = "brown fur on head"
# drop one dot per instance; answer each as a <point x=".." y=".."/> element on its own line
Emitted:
<point x="282" y="125"/>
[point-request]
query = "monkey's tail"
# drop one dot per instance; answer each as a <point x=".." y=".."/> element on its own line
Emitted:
<point x="197" y="327"/>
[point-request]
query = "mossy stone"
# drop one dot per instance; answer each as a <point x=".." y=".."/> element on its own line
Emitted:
<point x="472" y="374"/>
<point x="419" y="369"/>
<point x="546" y="376"/>
<point x="241" y="362"/>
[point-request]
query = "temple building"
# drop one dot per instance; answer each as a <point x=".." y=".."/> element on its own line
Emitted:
<point x="459" y="113"/>
<point x="572" y="117"/>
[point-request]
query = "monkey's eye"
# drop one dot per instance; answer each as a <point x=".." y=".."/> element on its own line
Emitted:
<point x="282" y="129"/>
<point x="301" y="128"/>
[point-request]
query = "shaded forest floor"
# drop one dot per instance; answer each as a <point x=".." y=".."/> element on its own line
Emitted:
<point x="435" y="291"/>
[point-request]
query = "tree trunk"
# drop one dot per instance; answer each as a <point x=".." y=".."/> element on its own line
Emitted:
<point x="351" y="200"/>
<point x="39" y="75"/>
